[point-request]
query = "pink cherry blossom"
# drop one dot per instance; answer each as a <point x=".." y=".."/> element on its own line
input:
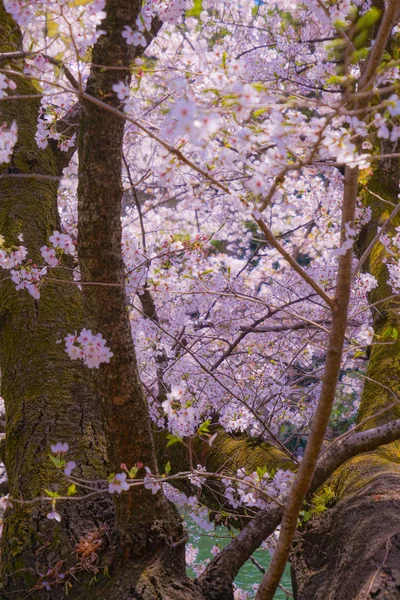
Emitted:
<point x="90" y="348"/>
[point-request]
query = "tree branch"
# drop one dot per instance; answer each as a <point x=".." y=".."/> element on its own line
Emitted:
<point x="320" y="420"/>
<point x="68" y="125"/>
<point x="293" y="263"/>
<point x="382" y="38"/>
<point x="223" y="569"/>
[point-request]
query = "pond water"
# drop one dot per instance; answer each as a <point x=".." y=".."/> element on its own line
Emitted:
<point x="249" y="574"/>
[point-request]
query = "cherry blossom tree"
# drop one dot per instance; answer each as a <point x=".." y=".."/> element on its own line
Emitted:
<point x="199" y="294"/>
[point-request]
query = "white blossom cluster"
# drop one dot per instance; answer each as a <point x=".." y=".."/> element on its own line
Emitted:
<point x="169" y="11"/>
<point x="23" y="273"/>
<point x="8" y="139"/>
<point x="88" y="347"/>
<point x="257" y="489"/>
<point x="182" y="419"/>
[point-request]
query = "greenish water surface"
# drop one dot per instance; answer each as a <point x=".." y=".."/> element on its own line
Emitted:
<point x="249" y="574"/>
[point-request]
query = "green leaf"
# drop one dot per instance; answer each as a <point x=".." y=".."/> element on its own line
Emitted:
<point x="258" y="86"/>
<point x="173" y="439"/>
<point x="133" y="472"/>
<point x="369" y="19"/>
<point x="212" y="91"/>
<point x="71" y="490"/>
<point x="224" y="57"/>
<point x="259" y="112"/>
<point x="51" y="493"/>
<point x="57" y="462"/>
<point x="204" y="427"/>
<point x="196" y="10"/>
<point x="395" y="333"/>
<point x="168" y="468"/>
<point x="340" y="24"/>
<point x="386" y="57"/>
<point x="261" y="472"/>
<point x="306" y="515"/>
<point x="80" y="2"/>
<point x="335" y="80"/>
<point x="387" y="332"/>
<point x="336" y="43"/>
<point x="361" y="39"/>
<point x="51" y="27"/>
<point x="359" y="55"/>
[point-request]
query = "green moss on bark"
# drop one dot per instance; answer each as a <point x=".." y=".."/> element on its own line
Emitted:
<point x="48" y="398"/>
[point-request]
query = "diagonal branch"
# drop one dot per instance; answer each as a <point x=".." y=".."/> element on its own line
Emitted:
<point x="382" y="38"/>
<point x="171" y="149"/>
<point x="293" y="263"/>
<point x="238" y="339"/>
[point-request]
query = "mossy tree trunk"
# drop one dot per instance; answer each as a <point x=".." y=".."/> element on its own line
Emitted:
<point x="47" y="397"/>
<point x="148" y="532"/>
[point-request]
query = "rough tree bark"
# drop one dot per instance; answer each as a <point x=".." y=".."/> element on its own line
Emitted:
<point x="148" y="532"/>
<point x="47" y="398"/>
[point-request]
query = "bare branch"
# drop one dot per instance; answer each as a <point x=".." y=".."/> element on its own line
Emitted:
<point x="237" y="340"/>
<point x="293" y="263"/>
<point x="363" y="441"/>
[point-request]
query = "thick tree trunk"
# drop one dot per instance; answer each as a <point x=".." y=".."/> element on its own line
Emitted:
<point x="148" y="533"/>
<point x="352" y="551"/>
<point x="48" y="398"/>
